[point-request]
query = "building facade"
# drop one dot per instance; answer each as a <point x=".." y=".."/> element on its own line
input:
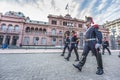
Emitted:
<point x="114" y="30"/>
<point x="16" y="29"/>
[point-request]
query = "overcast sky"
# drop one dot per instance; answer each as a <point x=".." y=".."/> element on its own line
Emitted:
<point x="100" y="10"/>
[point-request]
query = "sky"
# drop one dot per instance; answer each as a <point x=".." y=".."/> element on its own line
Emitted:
<point x="100" y="10"/>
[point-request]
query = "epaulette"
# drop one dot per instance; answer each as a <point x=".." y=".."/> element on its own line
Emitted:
<point x="96" y="26"/>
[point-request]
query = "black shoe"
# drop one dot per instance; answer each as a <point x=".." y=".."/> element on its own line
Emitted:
<point x="99" y="72"/>
<point x="76" y="66"/>
<point x="67" y="58"/>
<point x="119" y="56"/>
<point x="62" y="54"/>
<point x="77" y="60"/>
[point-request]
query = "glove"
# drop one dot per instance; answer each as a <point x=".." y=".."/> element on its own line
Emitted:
<point x="97" y="45"/>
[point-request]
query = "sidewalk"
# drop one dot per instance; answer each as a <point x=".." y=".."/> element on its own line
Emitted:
<point x="40" y="51"/>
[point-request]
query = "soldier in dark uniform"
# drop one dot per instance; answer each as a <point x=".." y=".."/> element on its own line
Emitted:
<point x="105" y="45"/>
<point x="92" y="44"/>
<point x="66" y="42"/>
<point x="77" y="43"/>
<point x="73" y="46"/>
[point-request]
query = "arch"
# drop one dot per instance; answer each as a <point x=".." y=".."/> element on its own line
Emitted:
<point x="10" y="28"/>
<point x="53" y="31"/>
<point x="32" y="29"/>
<point x="40" y="30"/>
<point x="67" y="32"/>
<point x="16" y="28"/>
<point x="14" y="40"/>
<point x="27" y="29"/>
<point x="44" y="31"/>
<point x="36" y="29"/>
<point x="3" y="27"/>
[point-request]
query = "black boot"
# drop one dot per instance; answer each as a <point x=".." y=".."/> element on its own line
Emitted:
<point x="67" y="58"/>
<point x="78" y="66"/>
<point x="99" y="72"/>
<point x="76" y="59"/>
<point x="62" y="54"/>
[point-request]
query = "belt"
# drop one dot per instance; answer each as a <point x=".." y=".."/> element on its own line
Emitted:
<point x="90" y="39"/>
<point x="73" y="42"/>
<point x="66" y="42"/>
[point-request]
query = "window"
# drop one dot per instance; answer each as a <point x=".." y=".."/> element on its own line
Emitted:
<point x="43" y="41"/>
<point x="60" y="32"/>
<point x="35" y="40"/>
<point x="53" y="31"/>
<point x="26" y="40"/>
<point x="36" y="29"/>
<point x="44" y="31"/>
<point x="16" y="28"/>
<point x="3" y="27"/>
<point x="54" y="22"/>
<point x="10" y="28"/>
<point x="14" y="40"/>
<point x="64" y="23"/>
<point x="27" y="29"/>
<point x="80" y="25"/>
<point x="53" y="41"/>
<point x="60" y="42"/>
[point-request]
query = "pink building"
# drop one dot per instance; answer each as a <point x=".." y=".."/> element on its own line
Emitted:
<point x="16" y="29"/>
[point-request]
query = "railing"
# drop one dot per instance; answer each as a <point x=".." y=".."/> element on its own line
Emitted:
<point x="11" y="31"/>
<point x="40" y="33"/>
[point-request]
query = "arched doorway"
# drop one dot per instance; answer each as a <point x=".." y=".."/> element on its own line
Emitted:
<point x="67" y="32"/>
<point x="7" y="40"/>
<point x="14" y="40"/>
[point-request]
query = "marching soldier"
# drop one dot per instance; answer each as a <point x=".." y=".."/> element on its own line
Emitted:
<point x="73" y="46"/>
<point x="91" y="44"/>
<point x="105" y="46"/>
<point x="67" y="42"/>
<point x="77" y="43"/>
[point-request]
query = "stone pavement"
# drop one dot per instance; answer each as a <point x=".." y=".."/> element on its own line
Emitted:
<point x="51" y="66"/>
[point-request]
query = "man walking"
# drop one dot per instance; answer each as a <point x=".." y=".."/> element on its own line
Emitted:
<point x="73" y="46"/>
<point x="91" y="44"/>
<point x="105" y="46"/>
<point x="67" y="43"/>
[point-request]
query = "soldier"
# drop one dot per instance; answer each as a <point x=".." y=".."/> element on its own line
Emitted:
<point x="73" y="46"/>
<point x="105" y="45"/>
<point x="67" y="42"/>
<point x="77" y="43"/>
<point x="91" y="44"/>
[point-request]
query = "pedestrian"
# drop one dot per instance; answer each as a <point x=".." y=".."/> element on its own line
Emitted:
<point x="92" y="44"/>
<point x="105" y="45"/>
<point x="73" y="42"/>
<point x="77" y="43"/>
<point x="66" y="44"/>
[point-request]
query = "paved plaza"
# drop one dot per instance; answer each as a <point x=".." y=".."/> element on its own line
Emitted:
<point x="49" y="65"/>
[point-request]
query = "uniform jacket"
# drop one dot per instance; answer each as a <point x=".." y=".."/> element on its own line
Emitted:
<point x="93" y="32"/>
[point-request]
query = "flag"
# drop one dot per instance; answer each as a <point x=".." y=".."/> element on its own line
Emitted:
<point x="66" y="6"/>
